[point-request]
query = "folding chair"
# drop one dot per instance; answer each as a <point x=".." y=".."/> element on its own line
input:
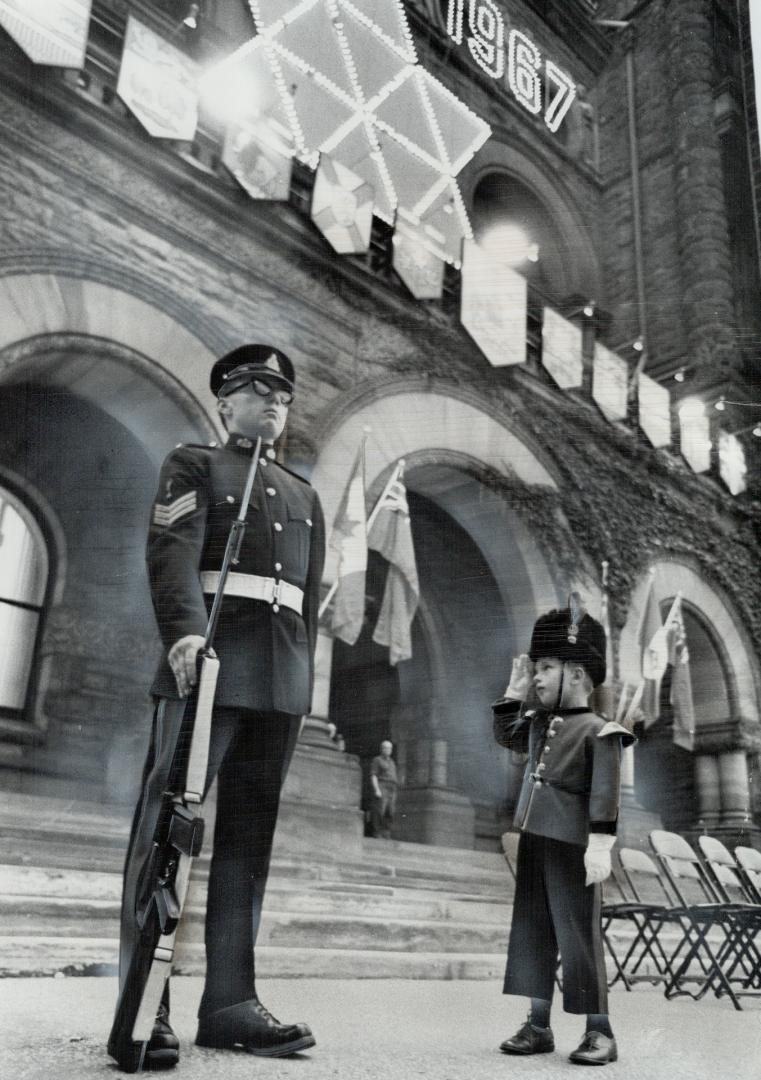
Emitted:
<point x="749" y="862"/>
<point x="744" y="915"/>
<point x="700" y="911"/>
<point x="646" y="905"/>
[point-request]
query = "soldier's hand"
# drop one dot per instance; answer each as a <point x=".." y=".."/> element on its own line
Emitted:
<point x="520" y="678"/>
<point x="597" y="858"/>
<point x="182" y="661"/>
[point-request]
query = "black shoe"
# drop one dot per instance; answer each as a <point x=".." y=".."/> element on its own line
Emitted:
<point x="249" y="1026"/>
<point x="529" y="1040"/>
<point x="163" y="1049"/>
<point x="595" y="1049"/>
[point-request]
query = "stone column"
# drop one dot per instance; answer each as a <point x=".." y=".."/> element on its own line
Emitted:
<point x="320" y="805"/>
<point x="708" y="786"/>
<point x="316" y="729"/>
<point x="705" y="257"/>
<point x="439" y="758"/>
<point x="735" y="790"/>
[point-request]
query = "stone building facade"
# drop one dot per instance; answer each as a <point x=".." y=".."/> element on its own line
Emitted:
<point x="127" y="264"/>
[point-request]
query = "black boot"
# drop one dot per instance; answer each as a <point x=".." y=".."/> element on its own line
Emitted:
<point x="249" y="1026"/>
<point x="163" y="1050"/>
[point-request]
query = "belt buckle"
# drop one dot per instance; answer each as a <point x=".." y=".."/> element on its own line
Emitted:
<point x="277" y="592"/>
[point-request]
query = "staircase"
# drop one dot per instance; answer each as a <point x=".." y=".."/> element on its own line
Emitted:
<point x="393" y="910"/>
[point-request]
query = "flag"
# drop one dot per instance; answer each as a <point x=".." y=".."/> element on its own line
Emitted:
<point x="391" y="536"/>
<point x="681" y="682"/>
<point x="349" y="539"/>
<point x="653" y="650"/>
<point x="603" y="695"/>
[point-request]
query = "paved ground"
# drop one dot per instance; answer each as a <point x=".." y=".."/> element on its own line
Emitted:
<point x="381" y="1030"/>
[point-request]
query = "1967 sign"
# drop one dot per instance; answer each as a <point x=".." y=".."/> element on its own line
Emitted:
<point x="537" y="83"/>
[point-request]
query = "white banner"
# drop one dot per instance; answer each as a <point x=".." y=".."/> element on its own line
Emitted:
<point x="732" y="465"/>
<point x="561" y="350"/>
<point x="258" y="160"/>
<point x="421" y="270"/>
<point x="610" y="383"/>
<point x="493" y="306"/>
<point x="695" y="440"/>
<point x="654" y="410"/>
<point x="342" y="207"/>
<point x="158" y="83"/>
<point x="50" y="32"/>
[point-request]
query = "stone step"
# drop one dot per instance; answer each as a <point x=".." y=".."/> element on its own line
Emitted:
<point x="48" y="916"/>
<point x="35" y="956"/>
<point x="24" y="889"/>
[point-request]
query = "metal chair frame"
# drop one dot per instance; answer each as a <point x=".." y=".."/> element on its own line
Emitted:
<point x="682" y="866"/>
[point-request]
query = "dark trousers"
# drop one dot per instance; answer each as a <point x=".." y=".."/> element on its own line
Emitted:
<point x="249" y="753"/>
<point x="554" y="910"/>
<point x="382" y="810"/>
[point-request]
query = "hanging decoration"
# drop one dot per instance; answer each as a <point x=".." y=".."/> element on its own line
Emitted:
<point x="562" y="349"/>
<point x="50" y="32"/>
<point x="259" y="159"/>
<point x="158" y="83"/>
<point x="414" y="258"/>
<point x="610" y="383"/>
<point x="654" y="410"/>
<point x="733" y="467"/>
<point x="346" y="79"/>
<point x="493" y="306"/>
<point x="342" y="207"/>
<point x="695" y="435"/>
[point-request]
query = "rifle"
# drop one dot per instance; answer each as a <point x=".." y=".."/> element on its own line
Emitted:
<point x="178" y="837"/>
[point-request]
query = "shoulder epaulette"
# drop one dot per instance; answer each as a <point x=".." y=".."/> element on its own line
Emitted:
<point x="612" y="727"/>
<point x="295" y="475"/>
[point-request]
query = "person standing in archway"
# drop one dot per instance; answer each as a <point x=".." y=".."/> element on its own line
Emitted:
<point x="567" y="813"/>
<point x="384" y="783"/>
<point x="265" y="642"/>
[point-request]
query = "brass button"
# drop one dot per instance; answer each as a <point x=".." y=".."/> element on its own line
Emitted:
<point x="276" y="607"/>
<point x="271" y="491"/>
<point x="309" y="522"/>
<point x="230" y="498"/>
<point x="546" y="749"/>
<point x="278" y="566"/>
<point x="277" y="527"/>
<point x="541" y="768"/>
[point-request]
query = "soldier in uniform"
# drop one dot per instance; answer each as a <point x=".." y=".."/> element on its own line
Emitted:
<point x="265" y="643"/>
<point x="567" y="812"/>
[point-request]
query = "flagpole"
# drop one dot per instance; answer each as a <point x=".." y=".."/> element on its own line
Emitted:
<point x="373" y="515"/>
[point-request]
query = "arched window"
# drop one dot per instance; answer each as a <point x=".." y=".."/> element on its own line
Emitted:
<point x="24" y="569"/>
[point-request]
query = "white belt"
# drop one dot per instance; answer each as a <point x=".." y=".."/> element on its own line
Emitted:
<point x="255" y="587"/>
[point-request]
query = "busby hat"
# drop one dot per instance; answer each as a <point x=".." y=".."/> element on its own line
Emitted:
<point x="571" y="635"/>
<point x="236" y="368"/>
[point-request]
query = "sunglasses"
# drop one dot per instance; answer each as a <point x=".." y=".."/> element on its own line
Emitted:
<point x="263" y="389"/>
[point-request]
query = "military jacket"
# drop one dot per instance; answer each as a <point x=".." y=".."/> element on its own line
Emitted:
<point x="266" y="649"/>
<point x="572" y="781"/>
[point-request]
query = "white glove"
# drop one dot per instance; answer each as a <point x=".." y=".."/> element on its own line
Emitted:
<point x="520" y="678"/>
<point x="182" y="661"/>
<point x="597" y="857"/>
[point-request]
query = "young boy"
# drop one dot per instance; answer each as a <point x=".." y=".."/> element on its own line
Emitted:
<point x="567" y="812"/>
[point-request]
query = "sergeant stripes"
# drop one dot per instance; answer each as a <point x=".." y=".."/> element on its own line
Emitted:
<point x="168" y="515"/>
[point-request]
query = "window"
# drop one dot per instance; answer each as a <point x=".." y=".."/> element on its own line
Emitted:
<point x="23" y="583"/>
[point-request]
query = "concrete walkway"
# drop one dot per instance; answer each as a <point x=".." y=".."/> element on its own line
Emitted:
<point x="55" y="1029"/>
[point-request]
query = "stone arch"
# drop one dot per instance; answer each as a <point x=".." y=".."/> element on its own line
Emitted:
<point x="156" y="344"/>
<point x="715" y="612"/>
<point x="573" y="227"/>
<point x="484" y="580"/>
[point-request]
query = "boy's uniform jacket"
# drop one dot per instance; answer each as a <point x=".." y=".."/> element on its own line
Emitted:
<point x="572" y="779"/>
